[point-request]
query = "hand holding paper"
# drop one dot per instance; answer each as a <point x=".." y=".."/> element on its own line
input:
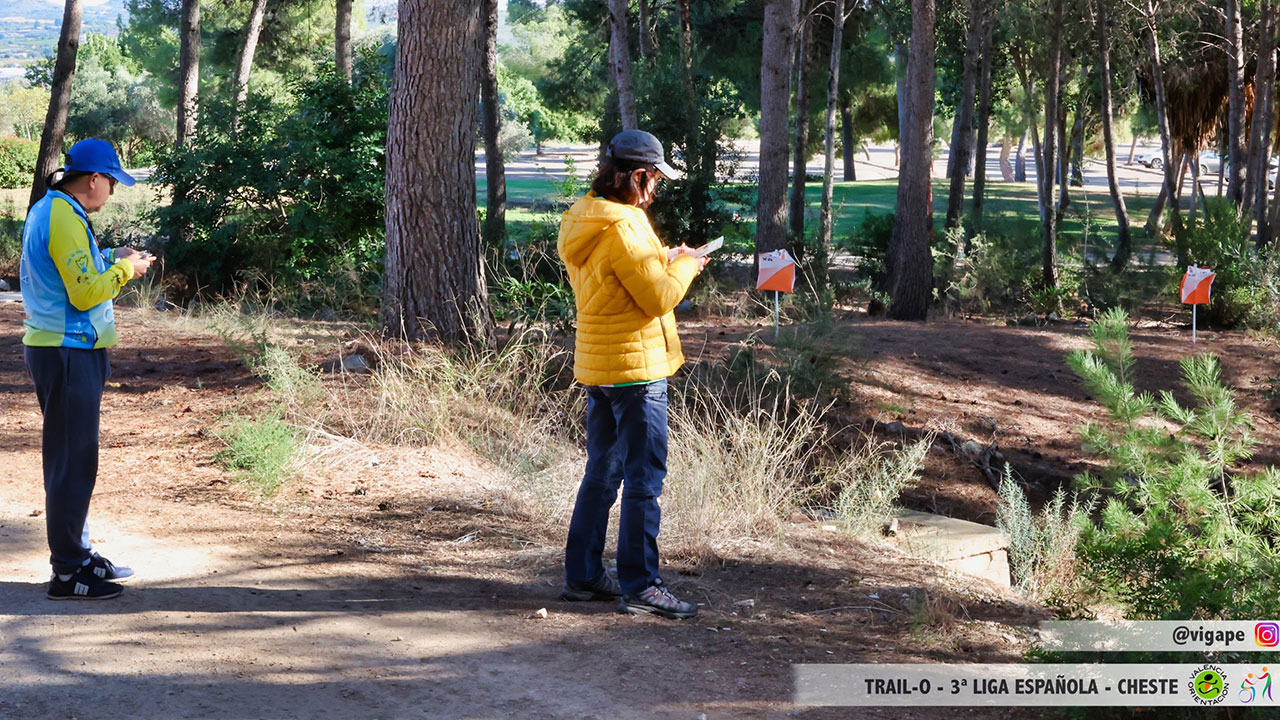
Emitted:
<point x="709" y="248"/>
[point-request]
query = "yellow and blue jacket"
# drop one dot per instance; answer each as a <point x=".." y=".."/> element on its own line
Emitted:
<point x="67" y="281"/>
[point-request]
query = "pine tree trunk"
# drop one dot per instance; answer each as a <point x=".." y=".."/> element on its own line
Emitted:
<point x="1124" y="240"/>
<point x="775" y="96"/>
<point x="252" y="30"/>
<point x="495" y="223"/>
<point x="646" y="29"/>
<point x="910" y="259"/>
<point x="1020" y="162"/>
<point x="342" y="39"/>
<point x="435" y="287"/>
<point x="962" y="132"/>
<point x="1260" y="142"/>
<point x="1267" y="236"/>
<point x="1006" y="166"/>
<point x="188" y="71"/>
<point x="1077" y="135"/>
<point x="829" y="167"/>
<point x="848" y="146"/>
<point x="55" y="119"/>
<point x="1235" y="104"/>
<point x="693" y="143"/>
<point x="984" y="121"/>
<point x="1048" y="169"/>
<point x="1133" y="148"/>
<point x="1197" y="192"/>
<point x="800" y="147"/>
<point x="1162" y="119"/>
<point x="620" y="47"/>
<point x="900" y="59"/>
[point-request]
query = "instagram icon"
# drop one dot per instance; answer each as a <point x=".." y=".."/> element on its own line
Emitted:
<point x="1266" y="634"/>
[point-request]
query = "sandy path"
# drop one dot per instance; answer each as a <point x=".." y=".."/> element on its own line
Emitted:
<point x="410" y="598"/>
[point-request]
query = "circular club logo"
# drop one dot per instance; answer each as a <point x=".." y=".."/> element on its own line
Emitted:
<point x="1208" y="685"/>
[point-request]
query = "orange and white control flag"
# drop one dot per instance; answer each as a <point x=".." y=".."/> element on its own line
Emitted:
<point x="1196" y="284"/>
<point x="777" y="271"/>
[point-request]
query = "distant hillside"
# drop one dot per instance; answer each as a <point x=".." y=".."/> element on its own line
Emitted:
<point x="29" y="28"/>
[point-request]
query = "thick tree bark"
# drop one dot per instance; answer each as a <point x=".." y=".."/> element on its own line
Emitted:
<point x="829" y="166"/>
<point x="1235" y="104"/>
<point x="775" y="96"/>
<point x="962" y="132"/>
<point x="1124" y="240"/>
<point x="495" y="222"/>
<point x="188" y="71"/>
<point x="435" y="287"/>
<point x="848" y="146"/>
<point x="55" y="119"/>
<point x="910" y="259"/>
<point x="1006" y="149"/>
<point x="1048" y="169"/>
<point x="342" y="39"/>
<point x="620" y="49"/>
<point x="252" y="30"/>
<point x="800" y="147"/>
<point x="1133" y="148"/>
<point x="984" y="120"/>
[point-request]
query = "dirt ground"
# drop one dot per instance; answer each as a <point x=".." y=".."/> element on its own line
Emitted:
<point x="405" y="590"/>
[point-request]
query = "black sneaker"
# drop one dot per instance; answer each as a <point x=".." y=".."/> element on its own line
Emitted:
<point x="83" y="585"/>
<point x="104" y="569"/>
<point x="606" y="588"/>
<point x="657" y="600"/>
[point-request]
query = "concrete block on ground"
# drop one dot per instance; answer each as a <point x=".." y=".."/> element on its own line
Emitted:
<point x="960" y="545"/>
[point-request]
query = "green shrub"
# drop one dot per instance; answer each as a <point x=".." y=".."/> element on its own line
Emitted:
<point x="1042" y="548"/>
<point x="259" y="450"/>
<point x="1183" y="532"/>
<point x="17" y="162"/>
<point x="995" y="272"/>
<point x="295" y="197"/>
<point x="10" y="238"/>
<point x="1244" y="286"/>
<point x="869" y="244"/>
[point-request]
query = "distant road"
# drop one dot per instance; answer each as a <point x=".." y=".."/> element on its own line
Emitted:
<point x="877" y="163"/>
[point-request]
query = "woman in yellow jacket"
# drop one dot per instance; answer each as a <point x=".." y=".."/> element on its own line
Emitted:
<point x="626" y="284"/>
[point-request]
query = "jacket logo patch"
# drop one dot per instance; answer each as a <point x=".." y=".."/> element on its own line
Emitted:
<point x="79" y="260"/>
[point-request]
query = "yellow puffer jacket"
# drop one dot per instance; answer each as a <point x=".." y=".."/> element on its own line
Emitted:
<point x="625" y="291"/>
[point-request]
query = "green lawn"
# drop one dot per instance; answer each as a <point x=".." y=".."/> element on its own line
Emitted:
<point x="1010" y="207"/>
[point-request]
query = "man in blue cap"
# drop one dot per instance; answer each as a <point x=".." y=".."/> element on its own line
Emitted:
<point x="68" y="283"/>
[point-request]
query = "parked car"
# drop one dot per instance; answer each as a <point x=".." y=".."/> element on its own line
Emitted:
<point x="1210" y="163"/>
<point x="1150" y="158"/>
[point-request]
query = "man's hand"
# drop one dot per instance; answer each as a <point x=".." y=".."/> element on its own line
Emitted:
<point x="141" y="261"/>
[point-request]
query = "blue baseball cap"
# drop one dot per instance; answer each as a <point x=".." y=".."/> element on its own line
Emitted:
<point x="97" y="156"/>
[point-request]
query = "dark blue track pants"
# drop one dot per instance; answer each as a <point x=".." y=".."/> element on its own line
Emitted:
<point x="69" y="387"/>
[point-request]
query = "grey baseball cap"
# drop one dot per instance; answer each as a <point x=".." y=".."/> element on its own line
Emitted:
<point x="640" y="146"/>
